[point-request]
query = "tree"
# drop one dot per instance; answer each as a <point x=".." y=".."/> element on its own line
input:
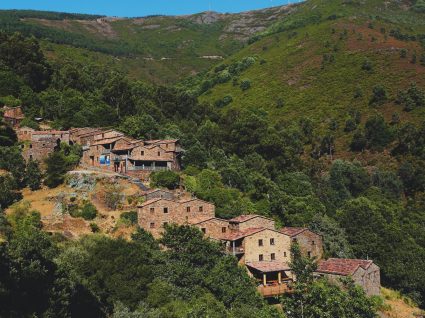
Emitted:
<point x="141" y="127"/>
<point x="377" y="133"/>
<point x="57" y="167"/>
<point x="379" y="95"/>
<point x="8" y="193"/>
<point x="33" y="175"/>
<point x="167" y="178"/>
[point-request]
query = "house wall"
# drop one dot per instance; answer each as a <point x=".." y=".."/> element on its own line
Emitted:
<point x="38" y="150"/>
<point x="281" y="247"/>
<point x="151" y="154"/>
<point x="310" y="242"/>
<point x="53" y="135"/>
<point x="369" y="280"/>
<point x="214" y="228"/>
<point x="255" y="222"/>
<point x="195" y="206"/>
<point x="107" y="134"/>
<point x="177" y="214"/>
<point x="24" y="133"/>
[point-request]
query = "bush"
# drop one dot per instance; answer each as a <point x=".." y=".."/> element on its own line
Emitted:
<point x="167" y="179"/>
<point x="33" y="176"/>
<point x="89" y="211"/>
<point x="411" y="98"/>
<point x="94" y="228"/>
<point x="245" y="85"/>
<point x="367" y="65"/>
<point x="379" y="95"/>
<point x="130" y="217"/>
<point x="350" y="125"/>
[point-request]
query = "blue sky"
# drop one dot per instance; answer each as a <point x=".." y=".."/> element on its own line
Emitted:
<point x="131" y="8"/>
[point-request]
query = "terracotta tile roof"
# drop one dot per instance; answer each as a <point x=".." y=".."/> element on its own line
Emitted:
<point x="292" y="231"/>
<point x="50" y="132"/>
<point x="233" y="236"/>
<point x="152" y="201"/>
<point x="200" y="219"/>
<point x="105" y="141"/>
<point x="267" y="267"/>
<point x="246" y="217"/>
<point x="342" y="266"/>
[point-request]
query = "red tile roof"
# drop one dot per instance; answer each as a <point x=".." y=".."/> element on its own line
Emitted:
<point x="162" y="141"/>
<point x="233" y="236"/>
<point x="246" y="217"/>
<point x="342" y="266"/>
<point x="292" y="231"/>
<point x="267" y="267"/>
<point x="193" y="199"/>
<point x="152" y="201"/>
<point x="200" y="219"/>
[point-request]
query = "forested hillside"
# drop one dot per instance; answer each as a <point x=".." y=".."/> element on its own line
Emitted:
<point x="161" y="49"/>
<point x="318" y="122"/>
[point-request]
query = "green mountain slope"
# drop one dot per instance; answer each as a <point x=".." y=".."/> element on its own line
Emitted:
<point x="324" y="62"/>
<point x="157" y="48"/>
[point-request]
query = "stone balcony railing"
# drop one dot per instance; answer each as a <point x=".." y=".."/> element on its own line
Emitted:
<point x="273" y="290"/>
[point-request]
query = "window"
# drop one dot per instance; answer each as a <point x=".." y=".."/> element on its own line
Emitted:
<point x="142" y="153"/>
<point x="30" y="146"/>
<point x="309" y="254"/>
<point x="260" y="242"/>
<point x="313" y="243"/>
<point x="166" y="145"/>
<point x="201" y="209"/>
<point x="165" y="223"/>
<point x="223" y="229"/>
<point x="272" y="241"/>
<point x="165" y="210"/>
<point x="294" y="240"/>
<point x="260" y="257"/>
<point x="30" y="157"/>
<point x="272" y="256"/>
<point x="159" y="154"/>
<point x="188" y="209"/>
<point x="152" y="225"/>
<point x="152" y="210"/>
<point x="204" y="230"/>
<point x="284" y="254"/>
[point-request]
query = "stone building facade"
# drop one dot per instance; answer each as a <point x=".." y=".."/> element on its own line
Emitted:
<point x="212" y="227"/>
<point x="152" y="215"/>
<point x="24" y="133"/>
<point x="158" y="193"/>
<point x="364" y="273"/>
<point x="13" y="116"/>
<point x="42" y="143"/>
<point x="311" y="244"/>
<point x="247" y="221"/>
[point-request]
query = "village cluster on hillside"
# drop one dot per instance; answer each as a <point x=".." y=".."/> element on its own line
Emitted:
<point x="263" y="249"/>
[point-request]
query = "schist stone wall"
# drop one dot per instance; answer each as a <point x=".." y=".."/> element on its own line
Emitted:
<point x="262" y="245"/>
<point x="310" y="244"/>
<point x="252" y="223"/>
<point x="154" y="214"/>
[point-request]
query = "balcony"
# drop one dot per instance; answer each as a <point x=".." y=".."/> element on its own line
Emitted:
<point x="274" y="290"/>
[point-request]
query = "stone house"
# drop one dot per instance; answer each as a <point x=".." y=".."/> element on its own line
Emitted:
<point x="13" y="116"/>
<point x="247" y="221"/>
<point x="364" y="273"/>
<point x="311" y="244"/>
<point x="266" y="255"/>
<point x="43" y="143"/>
<point x="212" y="227"/>
<point x="111" y="150"/>
<point x="83" y="136"/>
<point x="152" y="215"/>
<point x="24" y="133"/>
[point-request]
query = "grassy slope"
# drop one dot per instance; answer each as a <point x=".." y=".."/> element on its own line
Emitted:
<point x="293" y="70"/>
<point x="183" y="40"/>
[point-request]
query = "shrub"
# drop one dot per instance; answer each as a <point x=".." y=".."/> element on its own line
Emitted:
<point x="411" y="98"/>
<point x="245" y="85"/>
<point x="167" y="179"/>
<point x="94" y="228"/>
<point x="367" y="65"/>
<point x="89" y="211"/>
<point x="379" y="95"/>
<point x="358" y="143"/>
<point x="350" y="125"/>
<point x="403" y="53"/>
<point x="226" y="100"/>
<point x="130" y="217"/>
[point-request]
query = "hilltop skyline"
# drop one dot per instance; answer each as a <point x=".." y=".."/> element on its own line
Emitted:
<point x="133" y="8"/>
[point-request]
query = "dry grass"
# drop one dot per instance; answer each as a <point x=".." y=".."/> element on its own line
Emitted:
<point x="401" y="306"/>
